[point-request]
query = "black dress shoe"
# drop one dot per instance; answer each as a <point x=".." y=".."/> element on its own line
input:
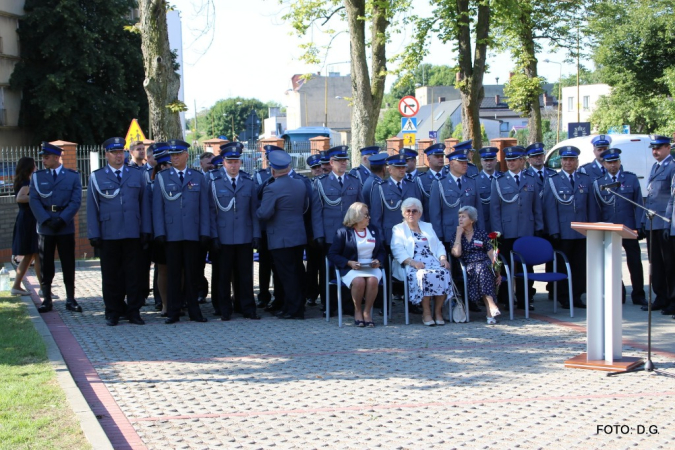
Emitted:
<point x="274" y="306"/>
<point x="199" y="319"/>
<point x="640" y="301"/>
<point x="293" y="317"/>
<point x="279" y="313"/>
<point x="225" y="318"/>
<point x="158" y="306"/>
<point x="136" y="319"/>
<point x="171" y="320"/>
<point x="71" y="305"/>
<point x="111" y="321"/>
<point x="311" y="302"/>
<point x="253" y="316"/>
<point x="201" y="300"/>
<point x="473" y="307"/>
<point x="260" y="304"/>
<point x="656" y="306"/>
<point x="669" y="311"/>
<point x="217" y="313"/>
<point x="45" y="307"/>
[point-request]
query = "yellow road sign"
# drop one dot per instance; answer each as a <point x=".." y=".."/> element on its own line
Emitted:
<point x="409" y="139"/>
<point x="134" y="134"/>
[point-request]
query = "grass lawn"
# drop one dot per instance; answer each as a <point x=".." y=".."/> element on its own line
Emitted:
<point x="34" y="412"/>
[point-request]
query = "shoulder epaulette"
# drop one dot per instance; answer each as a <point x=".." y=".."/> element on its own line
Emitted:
<point x="214" y="174"/>
<point x="299" y="175"/>
<point x="379" y="181"/>
<point x="72" y="170"/>
<point x="554" y="174"/>
<point x="471" y="164"/>
<point x="472" y="176"/>
<point x="499" y="175"/>
<point x="352" y="175"/>
<point x="245" y="175"/>
<point x="582" y="169"/>
<point x="628" y="172"/>
<point x="321" y="177"/>
<point x="97" y="170"/>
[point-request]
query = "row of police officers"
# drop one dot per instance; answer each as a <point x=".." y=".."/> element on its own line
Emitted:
<point x="183" y="212"/>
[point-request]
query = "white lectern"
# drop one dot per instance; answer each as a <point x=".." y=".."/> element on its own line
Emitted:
<point x="603" y="299"/>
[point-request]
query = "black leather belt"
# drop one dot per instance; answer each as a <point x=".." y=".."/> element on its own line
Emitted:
<point x="54" y="208"/>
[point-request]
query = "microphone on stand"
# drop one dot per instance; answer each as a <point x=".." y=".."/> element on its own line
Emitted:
<point x="609" y="187"/>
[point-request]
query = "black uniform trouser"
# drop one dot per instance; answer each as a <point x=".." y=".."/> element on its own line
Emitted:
<point x="214" y="257"/>
<point x="122" y="267"/>
<point x="145" y="259"/>
<point x="183" y="264"/>
<point x="505" y="247"/>
<point x="236" y="261"/>
<point x="634" y="263"/>
<point x="575" y="250"/>
<point x="47" y="246"/>
<point x="662" y="261"/>
<point x="314" y="262"/>
<point x="291" y="271"/>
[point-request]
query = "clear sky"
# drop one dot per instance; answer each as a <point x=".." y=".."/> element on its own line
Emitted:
<point x="248" y="52"/>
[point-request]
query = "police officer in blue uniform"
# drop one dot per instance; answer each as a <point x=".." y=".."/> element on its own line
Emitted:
<point x="387" y="196"/>
<point x="325" y="162"/>
<point x="411" y="163"/>
<point x="261" y="178"/>
<point x="283" y="204"/>
<point x="659" y="193"/>
<point x="55" y="198"/>
<point x="334" y="193"/>
<point x="450" y="193"/>
<point x="312" y="250"/>
<point x="114" y="224"/>
<point x="180" y="216"/>
<point x="362" y="172"/>
<point x="595" y="169"/>
<point x="471" y="168"/>
<point x="234" y="226"/>
<point x="515" y="211"/>
<point x="613" y="209"/>
<point x="568" y="198"/>
<point x="378" y="163"/>
<point x="435" y="159"/>
<point x="488" y="157"/>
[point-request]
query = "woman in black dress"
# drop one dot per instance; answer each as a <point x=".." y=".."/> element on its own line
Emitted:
<point x="475" y="250"/>
<point x="25" y="238"/>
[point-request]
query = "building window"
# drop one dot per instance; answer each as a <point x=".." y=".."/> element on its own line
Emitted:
<point x="570" y="103"/>
<point x="587" y="101"/>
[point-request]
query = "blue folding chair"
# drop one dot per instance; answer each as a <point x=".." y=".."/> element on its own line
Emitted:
<point x="534" y="251"/>
<point x="337" y="281"/>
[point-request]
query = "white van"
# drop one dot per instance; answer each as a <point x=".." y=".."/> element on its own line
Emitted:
<point x="636" y="155"/>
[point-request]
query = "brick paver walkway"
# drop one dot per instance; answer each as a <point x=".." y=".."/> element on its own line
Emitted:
<point x="309" y="384"/>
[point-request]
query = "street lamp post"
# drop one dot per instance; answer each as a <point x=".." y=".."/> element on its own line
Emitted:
<point x="557" y="134"/>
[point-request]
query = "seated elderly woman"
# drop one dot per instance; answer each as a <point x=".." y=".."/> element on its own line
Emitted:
<point x="473" y="247"/>
<point x="358" y="250"/>
<point x="416" y="247"/>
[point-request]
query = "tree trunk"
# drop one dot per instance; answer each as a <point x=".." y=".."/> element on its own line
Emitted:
<point x="161" y="80"/>
<point x="530" y="69"/>
<point x="367" y="90"/>
<point x="471" y="70"/>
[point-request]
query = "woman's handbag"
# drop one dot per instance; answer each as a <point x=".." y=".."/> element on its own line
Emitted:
<point x="458" y="310"/>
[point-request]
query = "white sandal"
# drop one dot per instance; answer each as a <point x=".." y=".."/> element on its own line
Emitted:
<point x="491" y="321"/>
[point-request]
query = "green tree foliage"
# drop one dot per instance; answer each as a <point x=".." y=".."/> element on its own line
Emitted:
<point x="635" y="55"/>
<point x="522" y="92"/>
<point x="220" y="118"/>
<point x="389" y="125"/>
<point x="446" y="131"/>
<point x="81" y="73"/>
<point x="458" y="133"/>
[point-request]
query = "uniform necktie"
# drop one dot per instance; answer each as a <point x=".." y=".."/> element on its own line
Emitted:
<point x="491" y="178"/>
<point x="54" y="174"/>
<point x="180" y="175"/>
<point x="234" y="184"/>
<point x="572" y="181"/>
<point x="613" y="179"/>
<point x="541" y="175"/>
<point x="408" y="177"/>
<point x="340" y="181"/>
<point x="517" y="178"/>
<point x="438" y="175"/>
<point x="118" y="174"/>
<point x="398" y="185"/>
<point x="459" y="183"/>
<point x="603" y="170"/>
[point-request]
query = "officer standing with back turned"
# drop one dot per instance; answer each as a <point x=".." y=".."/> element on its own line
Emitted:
<point x="55" y="198"/>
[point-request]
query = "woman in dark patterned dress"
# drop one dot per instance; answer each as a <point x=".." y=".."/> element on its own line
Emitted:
<point x="473" y="247"/>
<point x="25" y="238"/>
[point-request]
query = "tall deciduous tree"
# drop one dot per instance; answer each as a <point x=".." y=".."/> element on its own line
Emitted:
<point x="466" y="25"/>
<point x="522" y="26"/>
<point x="368" y="24"/>
<point x="161" y="81"/>
<point x="80" y="73"/>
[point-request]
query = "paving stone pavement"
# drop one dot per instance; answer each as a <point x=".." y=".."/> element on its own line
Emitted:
<point x="309" y="384"/>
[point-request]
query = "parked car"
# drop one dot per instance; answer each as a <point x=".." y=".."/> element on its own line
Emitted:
<point x="636" y="155"/>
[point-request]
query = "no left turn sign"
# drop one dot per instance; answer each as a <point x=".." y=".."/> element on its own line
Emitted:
<point x="408" y="106"/>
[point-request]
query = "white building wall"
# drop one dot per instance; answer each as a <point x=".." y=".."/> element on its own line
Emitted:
<point x="584" y="105"/>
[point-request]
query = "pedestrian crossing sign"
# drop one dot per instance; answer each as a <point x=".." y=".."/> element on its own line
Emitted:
<point x="134" y="134"/>
<point x="409" y="124"/>
<point x="409" y="139"/>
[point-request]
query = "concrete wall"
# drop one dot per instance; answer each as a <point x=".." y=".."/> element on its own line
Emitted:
<point x="570" y="103"/>
<point x="307" y="104"/>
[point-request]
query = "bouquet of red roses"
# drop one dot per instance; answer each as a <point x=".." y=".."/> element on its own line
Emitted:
<point x="497" y="263"/>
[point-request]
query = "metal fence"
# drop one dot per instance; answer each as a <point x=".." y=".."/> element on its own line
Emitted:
<point x="252" y="159"/>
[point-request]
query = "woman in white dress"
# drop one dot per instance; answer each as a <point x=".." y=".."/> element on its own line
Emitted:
<point x="358" y="251"/>
<point x="421" y="257"/>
